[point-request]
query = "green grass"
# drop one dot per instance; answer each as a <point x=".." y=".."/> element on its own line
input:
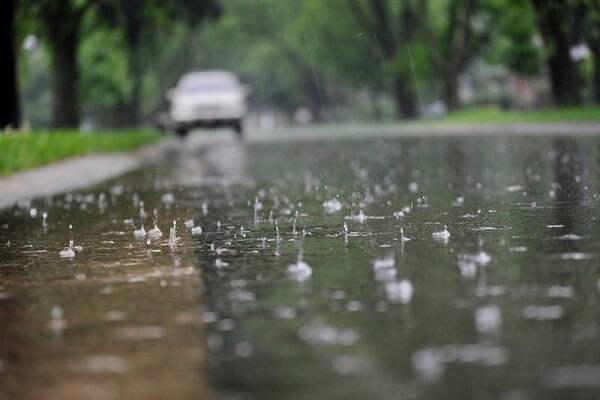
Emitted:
<point x="495" y="115"/>
<point x="21" y="151"/>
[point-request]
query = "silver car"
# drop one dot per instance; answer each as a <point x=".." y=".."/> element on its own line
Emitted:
<point x="207" y="99"/>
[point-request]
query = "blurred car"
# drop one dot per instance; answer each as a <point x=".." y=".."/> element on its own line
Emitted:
<point x="207" y="99"/>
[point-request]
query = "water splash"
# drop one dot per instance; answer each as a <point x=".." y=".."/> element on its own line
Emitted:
<point x="402" y="237"/>
<point x="257" y="207"/>
<point x="332" y="206"/>
<point x="57" y="321"/>
<point x="173" y="236"/>
<point x="45" y="220"/>
<point x="441" y="236"/>
<point x="300" y="271"/>
<point x="155" y="233"/>
<point x="346" y="232"/>
<point x="294" y="231"/>
<point x="399" y="292"/>
<point x="141" y="233"/>
<point x="69" y="252"/>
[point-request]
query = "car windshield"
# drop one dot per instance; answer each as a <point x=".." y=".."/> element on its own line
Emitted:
<point x="207" y="83"/>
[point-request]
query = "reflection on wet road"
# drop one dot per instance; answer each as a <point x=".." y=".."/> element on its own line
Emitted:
<point x="433" y="268"/>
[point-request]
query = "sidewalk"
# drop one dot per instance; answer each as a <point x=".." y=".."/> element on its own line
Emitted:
<point x="73" y="173"/>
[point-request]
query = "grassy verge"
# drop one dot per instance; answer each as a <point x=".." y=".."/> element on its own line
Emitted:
<point x="496" y="115"/>
<point x="20" y="151"/>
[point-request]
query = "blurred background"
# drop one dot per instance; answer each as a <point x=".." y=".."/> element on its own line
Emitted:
<point x="109" y="63"/>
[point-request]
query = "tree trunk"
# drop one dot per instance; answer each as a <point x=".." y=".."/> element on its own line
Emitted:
<point x="315" y="96"/>
<point x="595" y="47"/>
<point x="133" y="28"/>
<point x="132" y="104"/>
<point x="553" y="20"/>
<point x="64" y="41"/>
<point x="405" y="99"/>
<point x="564" y="77"/>
<point x="451" y="90"/>
<point x="9" y="100"/>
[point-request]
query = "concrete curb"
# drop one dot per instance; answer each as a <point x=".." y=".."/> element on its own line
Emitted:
<point x="74" y="173"/>
<point x="427" y="130"/>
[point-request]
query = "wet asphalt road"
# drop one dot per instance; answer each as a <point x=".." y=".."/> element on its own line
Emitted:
<point x="322" y="270"/>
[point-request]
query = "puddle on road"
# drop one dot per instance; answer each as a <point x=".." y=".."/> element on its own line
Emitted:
<point x="414" y="268"/>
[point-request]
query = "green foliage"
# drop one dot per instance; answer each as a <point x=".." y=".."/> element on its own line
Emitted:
<point x="20" y="151"/>
<point x="105" y="81"/>
<point x="513" y="37"/>
<point x="302" y="53"/>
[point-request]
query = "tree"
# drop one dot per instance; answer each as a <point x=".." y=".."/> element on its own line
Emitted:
<point x="9" y="100"/>
<point x="263" y="46"/>
<point x="591" y="28"/>
<point x="455" y="40"/>
<point x="136" y="19"/>
<point x="512" y="37"/>
<point x="61" y="23"/>
<point x="554" y="19"/>
<point x="394" y="43"/>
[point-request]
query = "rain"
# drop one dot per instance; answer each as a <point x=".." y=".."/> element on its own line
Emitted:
<point x="341" y="199"/>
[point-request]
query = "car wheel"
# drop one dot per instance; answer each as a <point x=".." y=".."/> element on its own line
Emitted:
<point x="181" y="132"/>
